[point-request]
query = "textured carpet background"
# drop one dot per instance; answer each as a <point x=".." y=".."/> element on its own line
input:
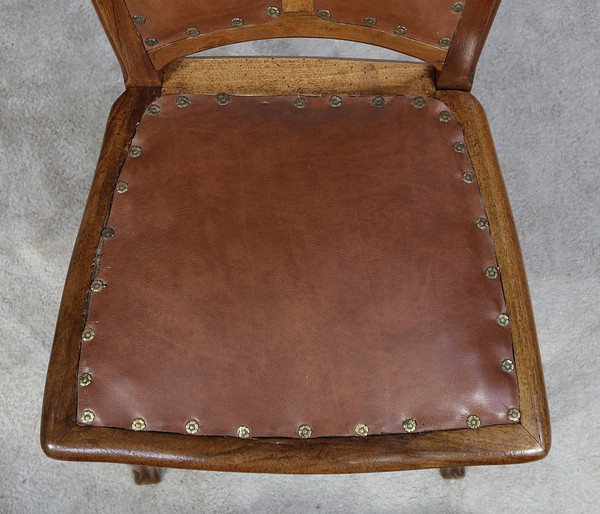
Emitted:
<point x="538" y="80"/>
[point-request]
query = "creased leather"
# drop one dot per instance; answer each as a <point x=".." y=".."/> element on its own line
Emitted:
<point x="275" y="266"/>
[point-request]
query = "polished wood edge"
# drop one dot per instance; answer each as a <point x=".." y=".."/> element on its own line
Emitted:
<point x="297" y="24"/>
<point x="532" y="391"/>
<point x="127" y="44"/>
<point x="310" y="76"/>
<point x="471" y="33"/>
<point x="501" y="444"/>
<point x="298" y="5"/>
<point x="59" y="408"/>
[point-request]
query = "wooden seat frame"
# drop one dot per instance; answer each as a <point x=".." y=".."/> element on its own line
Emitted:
<point x="165" y="71"/>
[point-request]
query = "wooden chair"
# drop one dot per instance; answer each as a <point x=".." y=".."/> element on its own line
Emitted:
<point x="293" y="265"/>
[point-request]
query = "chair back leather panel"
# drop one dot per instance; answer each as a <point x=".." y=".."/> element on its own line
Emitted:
<point x="274" y="266"/>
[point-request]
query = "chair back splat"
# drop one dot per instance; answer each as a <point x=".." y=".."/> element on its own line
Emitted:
<point x="447" y="34"/>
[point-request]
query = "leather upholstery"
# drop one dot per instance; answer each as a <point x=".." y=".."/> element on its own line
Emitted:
<point x="275" y="266"/>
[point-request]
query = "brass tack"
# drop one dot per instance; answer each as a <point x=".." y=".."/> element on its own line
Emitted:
<point x="418" y="102"/>
<point x="88" y="334"/>
<point x="482" y="223"/>
<point x="300" y="103"/>
<point x="154" y="109"/>
<point x="444" y="42"/>
<point x="150" y="41"/>
<point x="503" y="320"/>
<point x="460" y="147"/>
<point x="87" y="416"/>
<point x="369" y="20"/>
<point x="122" y="187"/>
<point x="410" y="424"/>
<point x="135" y="152"/>
<point x="514" y="415"/>
<point x="324" y="14"/>
<point x="335" y="101"/>
<point x="458" y="7"/>
<point x="272" y="12"/>
<point x="508" y="366"/>
<point x="473" y="421"/>
<point x="304" y="431"/>
<point x="193" y="32"/>
<point x="223" y="99"/>
<point x="445" y="116"/>
<point x="400" y="30"/>
<point x="361" y="430"/>
<point x="468" y="177"/>
<point x="139" y="19"/>
<point x="85" y="379"/>
<point x="97" y="286"/>
<point x="491" y="272"/>
<point x="138" y="424"/>
<point x="108" y="233"/>
<point x="192" y="426"/>
<point x="182" y="101"/>
<point x="379" y="101"/>
<point x="237" y="22"/>
<point x="243" y="432"/>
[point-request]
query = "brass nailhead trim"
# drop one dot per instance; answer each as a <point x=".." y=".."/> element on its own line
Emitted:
<point x="410" y="424"/>
<point x="482" y="223"/>
<point x="369" y="20"/>
<point x="418" y="102"/>
<point x="400" y="30"/>
<point x="361" y="430"/>
<point x="468" y="177"/>
<point x="491" y="272"/>
<point x="503" y="320"/>
<point x="193" y="32"/>
<point x="182" y="101"/>
<point x="88" y="334"/>
<point x="379" y="101"/>
<point x="85" y="379"/>
<point x="87" y="417"/>
<point x="192" y="426"/>
<point x="243" y="431"/>
<point x="460" y="147"/>
<point x="300" y="103"/>
<point x="473" y="421"/>
<point x="108" y="233"/>
<point x="122" y="187"/>
<point x="508" y="366"/>
<point x="150" y="41"/>
<point x="445" y="116"/>
<point x="138" y="424"/>
<point x="139" y="19"/>
<point x="237" y="22"/>
<point x="154" y="109"/>
<point x="458" y="7"/>
<point x="444" y="42"/>
<point x="97" y="286"/>
<point x="514" y="415"/>
<point x="324" y="14"/>
<point x="335" y="101"/>
<point x="223" y="99"/>
<point x="135" y="152"/>
<point x="304" y="431"/>
<point x="272" y="12"/>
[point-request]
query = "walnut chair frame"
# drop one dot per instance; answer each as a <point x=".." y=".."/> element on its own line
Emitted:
<point x="150" y="72"/>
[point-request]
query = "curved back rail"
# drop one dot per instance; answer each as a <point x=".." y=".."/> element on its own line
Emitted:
<point x="147" y="34"/>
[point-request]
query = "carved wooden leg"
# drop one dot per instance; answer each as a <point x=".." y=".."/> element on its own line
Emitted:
<point x="145" y="475"/>
<point x="453" y="472"/>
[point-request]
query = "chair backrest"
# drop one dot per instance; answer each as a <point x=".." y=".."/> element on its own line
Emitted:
<point x="148" y="34"/>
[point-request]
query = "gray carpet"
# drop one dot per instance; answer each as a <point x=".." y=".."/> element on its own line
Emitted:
<point x="538" y="79"/>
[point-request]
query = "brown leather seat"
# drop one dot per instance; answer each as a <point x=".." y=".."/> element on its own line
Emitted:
<point x="296" y="265"/>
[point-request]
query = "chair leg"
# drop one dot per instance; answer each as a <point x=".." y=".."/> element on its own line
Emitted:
<point x="450" y="473"/>
<point x="146" y="475"/>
